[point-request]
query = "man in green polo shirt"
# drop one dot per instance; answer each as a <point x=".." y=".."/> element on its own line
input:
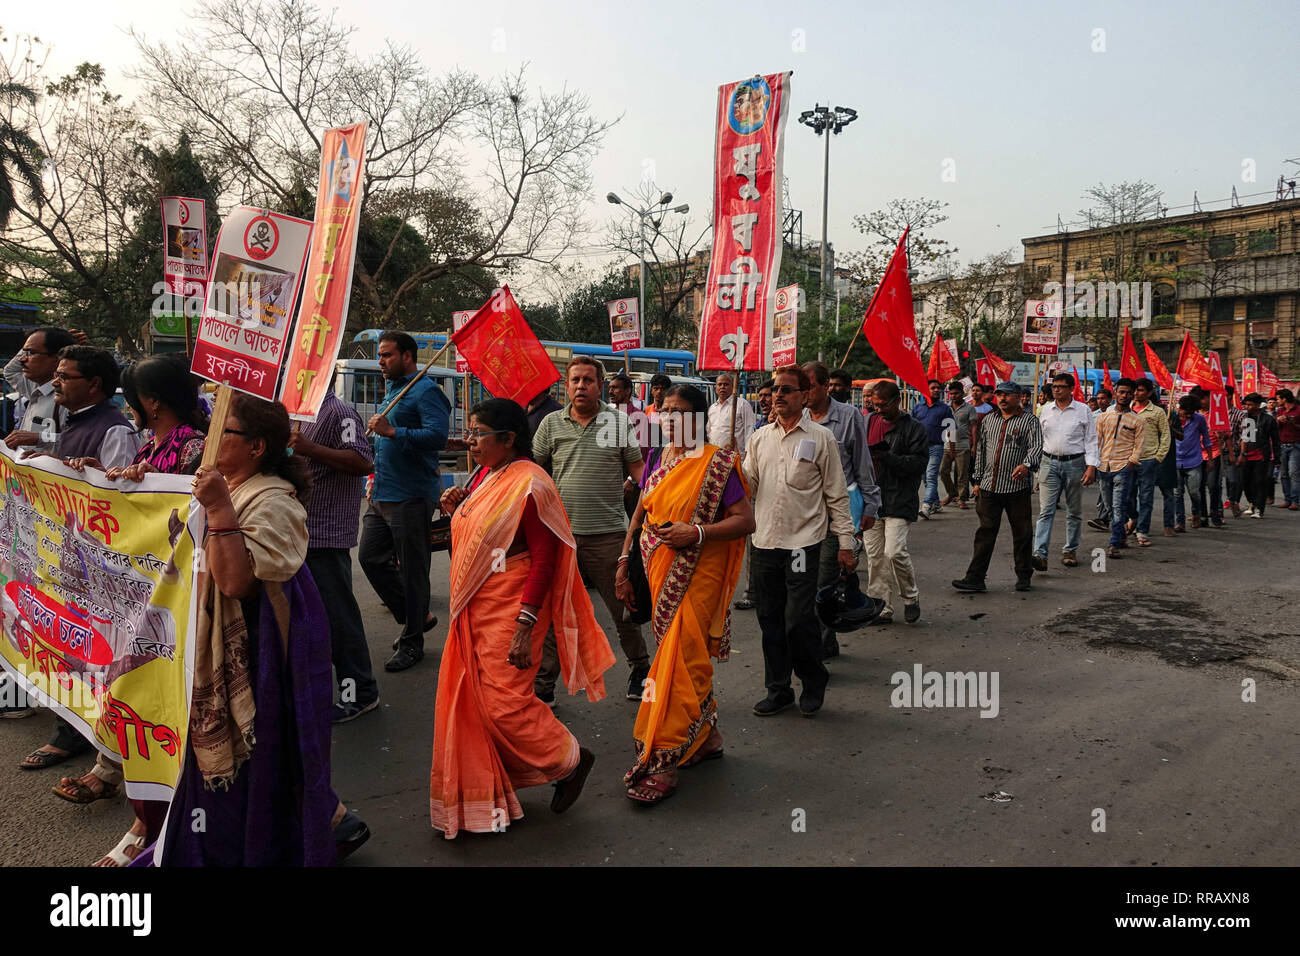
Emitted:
<point x="590" y="451"/>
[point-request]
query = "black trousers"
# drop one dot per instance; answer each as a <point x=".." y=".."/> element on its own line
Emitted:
<point x="1257" y="482"/>
<point x="1019" y="509"/>
<point x="786" y="593"/>
<point x="394" y="554"/>
<point x="331" y="568"/>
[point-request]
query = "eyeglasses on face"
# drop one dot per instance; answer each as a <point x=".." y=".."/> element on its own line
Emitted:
<point x="66" y="377"/>
<point x="475" y="434"/>
<point x="785" y="389"/>
<point x="35" y="352"/>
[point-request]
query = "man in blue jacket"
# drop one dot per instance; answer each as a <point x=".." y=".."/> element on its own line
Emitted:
<point x="935" y="417"/>
<point x="394" y="551"/>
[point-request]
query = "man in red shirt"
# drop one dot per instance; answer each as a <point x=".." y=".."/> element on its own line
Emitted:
<point x="1288" y="426"/>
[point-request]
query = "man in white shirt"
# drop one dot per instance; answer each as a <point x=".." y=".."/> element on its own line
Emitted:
<point x="31" y="374"/>
<point x="798" y="490"/>
<point x="719" y="424"/>
<point x="1070" y="462"/>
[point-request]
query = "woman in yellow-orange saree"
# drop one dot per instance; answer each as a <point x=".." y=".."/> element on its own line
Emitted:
<point x="693" y="515"/>
<point x="513" y="574"/>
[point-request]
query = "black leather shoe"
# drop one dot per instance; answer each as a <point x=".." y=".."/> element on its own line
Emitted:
<point x="1040" y="564"/>
<point x="429" y="625"/>
<point x="349" y="835"/>
<point x="966" y="584"/>
<point x="636" y="682"/>
<point x="912" y="612"/>
<point x="774" y="704"/>
<point x="405" y="657"/>
<point x="809" y="704"/>
<point x="1022" y="584"/>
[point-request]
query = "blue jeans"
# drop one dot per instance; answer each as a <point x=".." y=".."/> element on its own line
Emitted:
<point x="1115" y="486"/>
<point x="1057" y="480"/>
<point x="932" y="475"/>
<point x="1291" y="472"/>
<point x="1147" y="472"/>
<point x="1189" y="482"/>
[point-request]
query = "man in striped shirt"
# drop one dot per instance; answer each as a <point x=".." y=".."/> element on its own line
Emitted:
<point x="1121" y="434"/>
<point x="1007" y="453"/>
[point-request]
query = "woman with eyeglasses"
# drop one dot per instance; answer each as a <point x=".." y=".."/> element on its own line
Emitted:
<point x="514" y="574"/>
<point x="257" y="756"/>
<point x="694" y="515"/>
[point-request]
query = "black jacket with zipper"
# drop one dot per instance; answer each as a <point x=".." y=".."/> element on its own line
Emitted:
<point x="901" y="469"/>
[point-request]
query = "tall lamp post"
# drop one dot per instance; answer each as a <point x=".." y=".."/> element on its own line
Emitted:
<point x="825" y="119"/>
<point x="660" y="209"/>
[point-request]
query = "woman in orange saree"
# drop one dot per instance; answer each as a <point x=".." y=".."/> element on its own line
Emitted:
<point x="694" y="515"/>
<point x="514" y="573"/>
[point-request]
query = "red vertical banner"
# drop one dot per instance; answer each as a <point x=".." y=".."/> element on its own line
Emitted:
<point x="984" y="373"/>
<point x="458" y="319"/>
<point x="740" y="294"/>
<point x="323" y="316"/>
<point x="1218" y="417"/>
<point x="1249" y="376"/>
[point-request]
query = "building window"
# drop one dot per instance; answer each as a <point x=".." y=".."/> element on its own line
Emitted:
<point x="1080" y="265"/>
<point x="951" y="303"/>
<point x="1259" y="308"/>
<point x="918" y="305"/>
<point x="1221" y="310"/>
<point x="1163" y="296"/>
<point x="993" y="299"/>
<point x="1169" y="257"/>
<point x="1222" y="246"/>
<point x="1108" y="262"/>
<point x="1151" y="257"/>
<point x="1262" y="240"/>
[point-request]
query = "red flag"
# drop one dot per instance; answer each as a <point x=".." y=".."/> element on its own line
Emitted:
<point x="1193" y="368"/>
<point x="503" y="352"/>
<point x="1078" y="386"/>
<point x="1158" y="370"/>
<point x="984" y="373"/>
<point x="1001" y="368"/>
<point x="1129" y="366"/>
<point x="943" y="366"/>
<point x="1236" y="392"/>
<point x="889" y="325"/>
<point x="1105" y="371"/>
<point x="1268" y="381"/>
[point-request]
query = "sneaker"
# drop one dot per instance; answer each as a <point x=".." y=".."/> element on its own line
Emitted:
<point x="924" y="512"/>
<point x="636" y="681"/>
<point x="966" y="584"/>
<point x="1096" y="524"/>
<point x="1255" y="513"/>
<point x="774" y="704"/>
<point x="912" y="612"/>
<point x="936" y="508"/>
<point x="342" y="713"/>
<point x="1040" y="562"/>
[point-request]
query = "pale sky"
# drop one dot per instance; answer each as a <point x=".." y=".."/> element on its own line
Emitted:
<point x="1176" y="93"/>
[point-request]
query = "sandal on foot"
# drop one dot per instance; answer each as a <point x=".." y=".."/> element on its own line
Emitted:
<point x="705" y="752"/>
<point x="656" y="784"/>
<point x="118" y="855"/>
<point x="74" y="791"/>
<point x="568" y="789"/>
<point x="40" y="759"/>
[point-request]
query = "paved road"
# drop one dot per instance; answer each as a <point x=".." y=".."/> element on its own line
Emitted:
<point x="1120" y="691"/>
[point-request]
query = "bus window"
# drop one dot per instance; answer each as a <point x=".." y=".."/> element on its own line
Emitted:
<point x="674" y="368"/>
<point x="644" y="365"/>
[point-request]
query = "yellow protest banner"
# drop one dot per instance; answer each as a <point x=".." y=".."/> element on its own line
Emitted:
<point x="97" y="610"/>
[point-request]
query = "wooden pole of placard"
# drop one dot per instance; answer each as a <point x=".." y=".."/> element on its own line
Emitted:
<point x="422" y="373"/>
<point x="220" y="411"/>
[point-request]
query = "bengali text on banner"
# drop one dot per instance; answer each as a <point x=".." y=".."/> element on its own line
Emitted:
<point x="255" y="277"/>
<point x="185" y="246"/>
<point x="323" y="316"/>
<point x="98" y="611"/>
<point x="740" y="293"/>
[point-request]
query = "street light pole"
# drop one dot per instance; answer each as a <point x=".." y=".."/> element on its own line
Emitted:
<point x="641" y="215"/>
<point x="825" y="120"/>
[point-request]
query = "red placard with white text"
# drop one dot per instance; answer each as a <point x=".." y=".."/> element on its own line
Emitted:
<point x="1042" y="333"/>
<point x="1249" y="376"/>
<point x="740" y="295"/>
<point x="785" y="326"/>
<point x="255" y="277"/>
<point x="185" y="246"/>
<point x="458" y="319"/>
<point x="1218" y="417"/>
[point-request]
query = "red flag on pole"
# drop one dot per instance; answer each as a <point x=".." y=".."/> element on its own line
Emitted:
<point x="944" y="366"/>
<point x="1001" y="367"/>
<point x="1129" y="366"/>
<point x="1158" y="370"/>
<point x="889" y="325"/>
<point x="1236" y="392"/>
<point x="1192" y="366"/>
<point x="1078" y="386"/>
<point x="1105" y="372"/>
<point x="503" y="352"/>
<point x="1268" y="381"/>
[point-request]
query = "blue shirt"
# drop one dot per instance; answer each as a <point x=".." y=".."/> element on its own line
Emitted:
<point x="1196" y="437"/>
<point x="933" y="417"/>
<point x="406" y="465"/>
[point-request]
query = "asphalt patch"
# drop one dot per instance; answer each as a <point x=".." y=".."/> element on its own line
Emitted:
<point x="1182" y="634"/>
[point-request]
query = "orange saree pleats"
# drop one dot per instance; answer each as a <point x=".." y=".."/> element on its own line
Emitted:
<point x="692" y="591"/>
<point x="491" y="733"/>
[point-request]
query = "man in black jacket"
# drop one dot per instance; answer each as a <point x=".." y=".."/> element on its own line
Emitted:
<point x="1261" y="449"/>
<point x="899" y="449"/>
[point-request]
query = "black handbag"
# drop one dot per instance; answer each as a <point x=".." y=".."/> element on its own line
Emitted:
<point x="640" y="583"/>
